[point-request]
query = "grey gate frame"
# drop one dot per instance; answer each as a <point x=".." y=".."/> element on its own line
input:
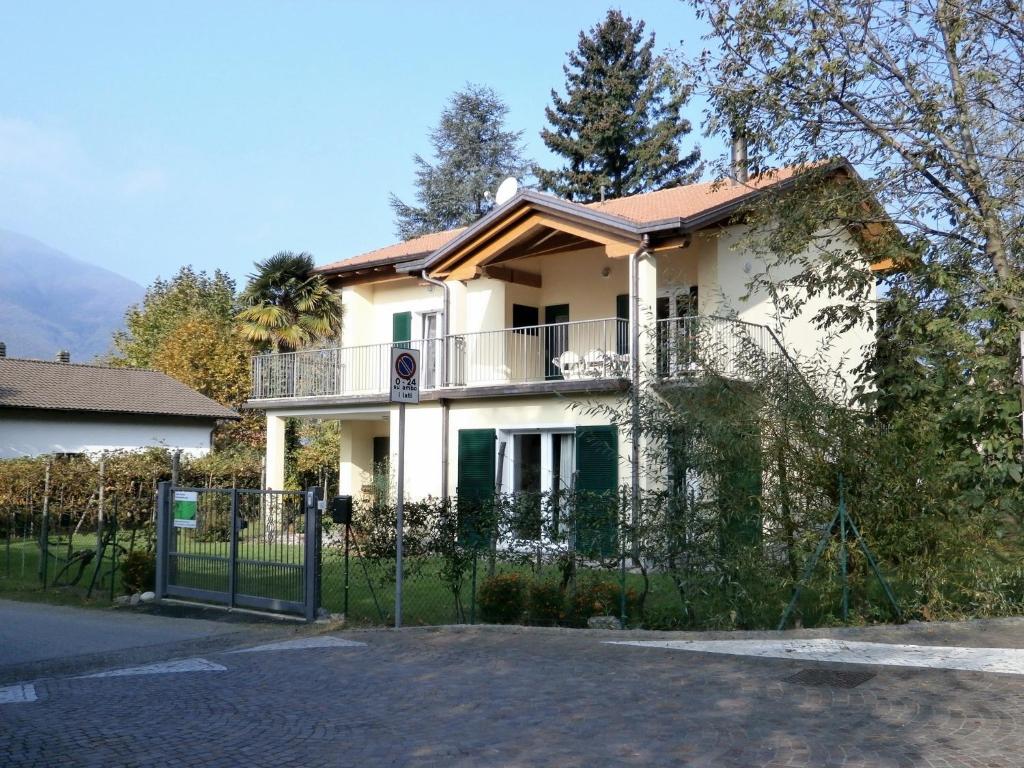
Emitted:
<point x="246" y="548"/>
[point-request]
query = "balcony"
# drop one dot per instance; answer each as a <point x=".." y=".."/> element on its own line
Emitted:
<point x="687" y="347"/>
<point x="582" y="351"/>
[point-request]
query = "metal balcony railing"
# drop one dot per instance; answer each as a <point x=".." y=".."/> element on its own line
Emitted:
<point x="575" y="350"/>
<point x="585" y="349"/>
<point x="339" y="371"/>
<point x="691" y="345"/>
<point x="580" y="350"/>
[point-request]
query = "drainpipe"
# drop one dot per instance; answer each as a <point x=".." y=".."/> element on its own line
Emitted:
<point x="445" y="341"/>
<point x="634" y="363"/>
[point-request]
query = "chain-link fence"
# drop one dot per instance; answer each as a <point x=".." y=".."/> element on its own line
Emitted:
<point x="663" y="559"/>
<point x="545" y="559"/>
<point x="58" y="545"/>
<point x="84" y="525"/>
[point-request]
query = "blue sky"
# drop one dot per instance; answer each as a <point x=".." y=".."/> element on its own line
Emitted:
<point x="143" y="136"/>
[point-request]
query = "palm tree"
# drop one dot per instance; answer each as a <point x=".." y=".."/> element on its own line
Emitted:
<point x="286" y="306"/>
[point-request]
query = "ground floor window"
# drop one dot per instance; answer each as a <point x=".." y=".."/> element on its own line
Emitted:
<point x="539" y="471"/>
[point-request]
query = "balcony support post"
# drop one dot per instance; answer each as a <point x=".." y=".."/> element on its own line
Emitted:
<point x="275" y="452"/>
<point x="642" y="286"/>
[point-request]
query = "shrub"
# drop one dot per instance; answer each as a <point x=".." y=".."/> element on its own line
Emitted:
<point x="546" y="603"/>
<point x="502" y="598"/>
<point x="138" y="571"/>
<point x="596" y="597"/>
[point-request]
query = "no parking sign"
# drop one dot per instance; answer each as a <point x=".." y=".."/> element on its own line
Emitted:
<point x="405" y="388"/>
<point x="405" y="379"/>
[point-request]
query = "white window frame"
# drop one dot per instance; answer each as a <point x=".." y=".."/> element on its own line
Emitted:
<point x="547" y="475"/>
<point x="507" y="435"/>
<point x="419" y="319"/>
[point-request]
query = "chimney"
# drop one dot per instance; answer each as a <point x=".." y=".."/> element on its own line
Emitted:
<point x="3" y="349"/>
<point x="63" y="356"/>
<point x="739" y="158"/>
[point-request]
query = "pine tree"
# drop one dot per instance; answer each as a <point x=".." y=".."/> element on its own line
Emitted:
<point x="473" y="152"/>
<point x="619" y="124"/>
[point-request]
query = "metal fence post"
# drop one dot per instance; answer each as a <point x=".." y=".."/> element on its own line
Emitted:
<point x="163" y="496"/>
<point x="44" y="529"/>
<point x="233" y="549"/>
<point x="312" y="551"/>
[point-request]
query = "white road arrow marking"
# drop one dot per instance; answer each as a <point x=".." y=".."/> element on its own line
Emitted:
<point x="18" y="694"/>
<point x="164" y="668"/>
<point x="1002" y="660"/>
<point x="324" y="641"/>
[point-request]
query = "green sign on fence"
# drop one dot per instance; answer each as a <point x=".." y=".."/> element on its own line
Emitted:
<point x="185" y="503"/>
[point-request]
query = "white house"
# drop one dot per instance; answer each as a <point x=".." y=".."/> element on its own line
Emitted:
<point x="58" y="407"/>
<point x="539" y="306"/>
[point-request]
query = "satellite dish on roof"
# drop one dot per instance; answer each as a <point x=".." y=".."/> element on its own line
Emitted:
<point x="506" y="190"/>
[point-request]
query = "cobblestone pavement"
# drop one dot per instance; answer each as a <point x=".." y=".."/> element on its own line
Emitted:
<point x="487" y="697"/>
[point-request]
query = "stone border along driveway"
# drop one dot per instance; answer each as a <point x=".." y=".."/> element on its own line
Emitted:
<point x="515" y="696"/>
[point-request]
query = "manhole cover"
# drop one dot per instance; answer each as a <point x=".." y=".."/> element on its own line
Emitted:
<point x="830" y="678"/>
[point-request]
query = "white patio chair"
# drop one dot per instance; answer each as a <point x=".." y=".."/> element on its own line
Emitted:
<point x="595" y="363"/>
<point x="569" y="364"/>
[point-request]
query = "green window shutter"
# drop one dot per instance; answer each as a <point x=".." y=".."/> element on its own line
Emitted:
<point x="401" y="327"/>
<point x="597" y="483"/>
<point x="741" y="492"/>
<point x="475" y="489"/>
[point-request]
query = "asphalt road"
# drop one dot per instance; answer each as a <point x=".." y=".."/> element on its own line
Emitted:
<point x="41" y="640"/>
<point x="36" y="632"/>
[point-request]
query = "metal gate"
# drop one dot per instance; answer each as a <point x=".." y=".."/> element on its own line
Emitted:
<point x="235" y="546"/>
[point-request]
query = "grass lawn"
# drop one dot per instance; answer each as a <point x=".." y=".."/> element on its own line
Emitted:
<point x="20" y="580"/>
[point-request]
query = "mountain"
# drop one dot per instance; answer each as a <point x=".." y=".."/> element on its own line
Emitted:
<point x="50" y="301"/>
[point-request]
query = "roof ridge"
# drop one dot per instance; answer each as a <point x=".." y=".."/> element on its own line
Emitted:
<point x="618" y="208"/>
<point x="83" y="365"/>
<point x="677" y="187"/>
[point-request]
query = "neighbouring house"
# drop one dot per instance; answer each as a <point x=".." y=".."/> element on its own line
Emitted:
<point x="65" y="408"/>
<point x="541" y="305"/>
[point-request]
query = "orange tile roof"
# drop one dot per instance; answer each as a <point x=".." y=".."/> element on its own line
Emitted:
<point x="676" y="202"/>
<point x="687" y="201"/>
<point x="407" y="249"/>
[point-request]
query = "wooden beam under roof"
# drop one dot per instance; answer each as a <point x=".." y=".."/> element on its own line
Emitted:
<point x="468" y="269"/>
<point x="355" y="278"/>
<point x="559" y="242"/>
<point x="525" y="229"/>
<point x="480" y="240"/>
<point x="513" y="276"/>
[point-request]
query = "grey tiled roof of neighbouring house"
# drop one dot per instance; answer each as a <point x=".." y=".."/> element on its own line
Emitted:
<point x="55" y="386"/>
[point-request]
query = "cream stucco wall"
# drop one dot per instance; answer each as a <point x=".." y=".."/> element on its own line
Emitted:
<point x="485" y="306"/>
<point x="26" y="433"/>
<point x="684" y="267"/>
<point x="356" y="454"/>
<point x="575" y="279"/>
<point x="422" y="448"/>
<point x="737" y="265"/>
<point x="400" y="296"/>
<point x="357" y="315"/>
